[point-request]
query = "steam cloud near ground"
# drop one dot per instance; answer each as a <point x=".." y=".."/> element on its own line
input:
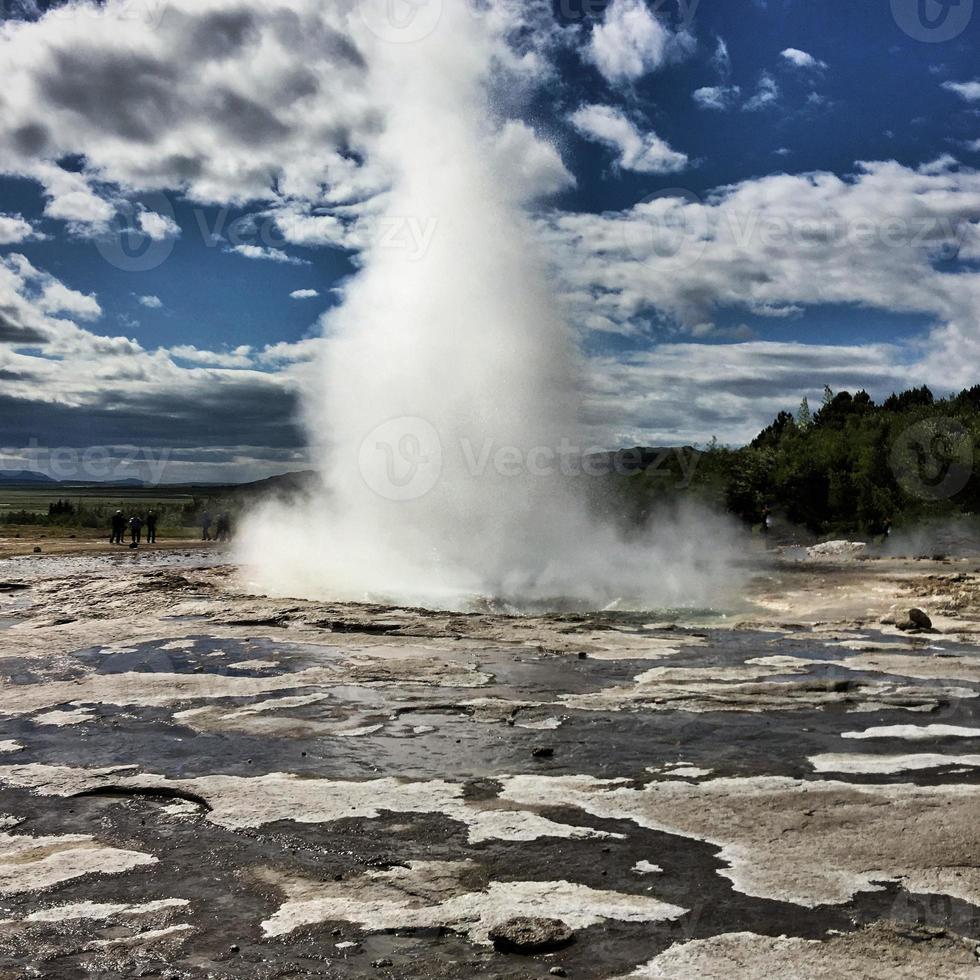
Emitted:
<point x="448" y="390"/>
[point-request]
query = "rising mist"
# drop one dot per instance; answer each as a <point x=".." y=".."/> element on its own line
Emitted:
<point x="445" y="410"/>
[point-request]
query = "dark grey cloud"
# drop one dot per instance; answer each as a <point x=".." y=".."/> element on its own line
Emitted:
<point x="123" y="93"/>
<point x="13" y="331"/>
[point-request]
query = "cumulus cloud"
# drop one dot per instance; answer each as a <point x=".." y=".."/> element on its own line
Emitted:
<point x="881" y="238"/>
<point x="717" y="97"/>
<point x="266" y="252"/>
<point x="631" y="42"/>
<point x="151" y="302"/>
<point x="970" y="91"/>
<point x="802" y="59"/>
<point x="304" y="294"/>
<point x="14" y="229"/>
<point x="157" y="227"/>
<point x="643" y="152"/>
<point x="57" y="373"/>
<point x="766" y="94"/>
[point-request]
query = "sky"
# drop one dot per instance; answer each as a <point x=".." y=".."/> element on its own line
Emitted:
<point x="738" y="204"/>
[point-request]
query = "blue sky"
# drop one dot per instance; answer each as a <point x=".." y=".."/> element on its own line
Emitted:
<point x="253" y="211"/>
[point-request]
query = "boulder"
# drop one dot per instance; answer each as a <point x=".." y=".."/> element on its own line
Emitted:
<point x="836" y="550"/>
<point x="920" y="619"/>
<point x="527" y="934"/>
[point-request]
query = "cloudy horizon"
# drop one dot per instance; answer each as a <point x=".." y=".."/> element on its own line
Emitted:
<point x="737" y="208"/>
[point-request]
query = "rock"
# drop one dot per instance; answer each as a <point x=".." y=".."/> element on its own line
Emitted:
<point x="840" y="550"/>
<point x="37" y="549"/>
<point x="558" y="971"/>
<point x="920" y="619"/>
<point x="380" y="964"/>
<point x="543" y="752"/>
<point x="527" y="934"/>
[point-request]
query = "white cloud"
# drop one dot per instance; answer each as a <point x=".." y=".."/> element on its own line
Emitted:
<point x="766" y="94"/>
<point x="721" y="59"/>
<point x="965" y="90"/>
<point x="687" y="393"/>
<point x="642" y="152"/>
<point x="535" y="166"/>
<point x="265" y="252"/>
<point x="156" y="226"/>
<point x="70" y="197"/>
<point x="717" y="97"/>
<point x="632" y="42"/>
<point x="304" y="294"/>
<point x="802" y="59"/>
<point x="56" y="297"/>
<point x="240" y="357"/>
<point x="14" y="229"/>
<point x="151" y="302"/>
<point x="776" y="244"/>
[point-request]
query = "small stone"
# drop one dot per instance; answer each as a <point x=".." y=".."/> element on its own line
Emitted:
<point x="528" y="934"/>
<point x="582" y="655"/>
<point x="37" y="549"/>
<point x="234" y="947"/>
<point x="558" y="971"/>
<point x="543" y="752"/>
<point x="380" y="964"/>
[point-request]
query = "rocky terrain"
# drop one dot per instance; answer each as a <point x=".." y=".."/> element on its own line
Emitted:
<point x="198" y="782"/>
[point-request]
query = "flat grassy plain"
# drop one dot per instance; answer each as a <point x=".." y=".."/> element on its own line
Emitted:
<point x="25" y="524"/>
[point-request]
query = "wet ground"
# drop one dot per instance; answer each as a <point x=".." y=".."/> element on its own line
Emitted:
<point x="195" y="782"/>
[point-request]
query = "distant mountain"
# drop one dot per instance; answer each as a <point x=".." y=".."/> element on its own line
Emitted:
<point x="287" y="483"/>
<point x="23" y="478"/>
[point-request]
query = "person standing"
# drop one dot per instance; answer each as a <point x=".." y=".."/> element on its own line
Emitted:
<point x="205" y="526"/>
<point x="151" y="527"/>
<point x="135" y="531"/>
<point x="118" y="527"/>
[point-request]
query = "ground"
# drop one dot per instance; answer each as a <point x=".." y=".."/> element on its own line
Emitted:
<point x="198" y="782"/>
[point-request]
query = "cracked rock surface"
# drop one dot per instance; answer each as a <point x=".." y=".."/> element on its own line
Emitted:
<point x="196" y="782"/>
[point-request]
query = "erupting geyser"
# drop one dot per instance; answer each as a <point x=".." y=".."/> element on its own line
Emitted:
<point x="446" y="399"/>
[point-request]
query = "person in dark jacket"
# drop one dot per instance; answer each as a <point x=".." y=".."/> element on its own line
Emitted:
<point x="118" y="527"/>
<point x="151" y="527"/>
<point x="135" y="531"/>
